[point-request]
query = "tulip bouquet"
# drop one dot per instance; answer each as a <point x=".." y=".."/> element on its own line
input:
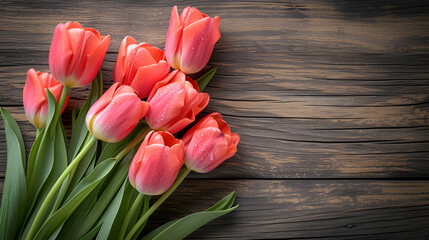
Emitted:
<point x="100" y="182"/>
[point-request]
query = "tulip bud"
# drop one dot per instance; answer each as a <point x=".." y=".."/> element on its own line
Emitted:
<point x="190" y="39"/>
<point x="174" y="103"/>
<point x="115" y="114"/>
<point x="157" y="163"/>
<point x="76" y="54"/>
<point x="140" y="66"/>
<point x="35" y="96"/>
<point x="209" y="143"/>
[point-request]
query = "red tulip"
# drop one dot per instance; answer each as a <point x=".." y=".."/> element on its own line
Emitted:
<point x="209" y="143"/>
<point x="140" y="66"/>
<point x="76" y="54"/>
<point x="190" y="39"/>
<point x="156" y="163"/>
<point x="115" y="114"/>
<point x="174" y="103"/>
<point x="35" y="97"/>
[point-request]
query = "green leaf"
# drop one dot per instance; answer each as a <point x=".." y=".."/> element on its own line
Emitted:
<point x="31" y="162"/>
<point x="40" y="165"/>
<point x="92" y="233"/>
<point x="84" y="164"/>
<point x="223" y="204"/>
<point x="74" y="222"/>
<point x="112" y="149"/>
<point x="60" y="164"/>
<point x="13" y="125"/>
<point x="33" y="153"/>
<point x="39" y="170"/>
<point x="14" y="196"/>
<point x="108" y="192"/>
<point x="134" y="221"/>
<point x="79" y="130"/>
<point x="181" y="228"/>
<point x="80" y="135"/>
<point x="126" y="203"/>
<point x="82" y="190"/>
<point x="109" y="215"/>
<point x="205" y="79"/>
<point x="58" y="148"/>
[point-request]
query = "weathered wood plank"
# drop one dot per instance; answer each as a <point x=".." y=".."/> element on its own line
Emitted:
<point x="305" y="209"/>
<point x="279" y="209"/>
<point x="314" y="89"/>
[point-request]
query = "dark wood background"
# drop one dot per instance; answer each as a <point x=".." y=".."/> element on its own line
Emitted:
<point x="330" y="99"/>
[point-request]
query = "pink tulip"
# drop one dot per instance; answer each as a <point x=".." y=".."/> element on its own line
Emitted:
<point x="156" y="164"/>
<point x="35" y="96"/>
<point x="140" y="66"/>
<point x="76" y="54"/>
<point x="190" y="39"/>
<point x="115" y="114"/>
<point x="209" y="143"/>
<point x="174" y="103"/>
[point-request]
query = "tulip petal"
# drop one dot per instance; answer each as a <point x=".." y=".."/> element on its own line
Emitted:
<point x="157" y="163"/>
<point x="85" y="43"/>
<point x="136" y="162"/>
<point x="207" y="121"/>
<point x="113" y="127"/>
<point x="120" y="70"/>
<point x="198" y="40"/>
<point x="35" y="96"/>
<point x="147" y="76"/>
<point x="157" y="171"/>
<point x="232" y="149"/>
<point x="57" y="90"/>
<point x="167" y="79"/>
<point x="76" y="54"/>
<point x="206" y="150"/>
<point x="174" y="35"/>
<point x="179" y="150"/>
<point x="147" y="138"/>
<point x="188" y="116"/>
<point x="221" y="123"/>
<point x="190" y="15"/>
<point x="93" y="62"/>
<point x="76" y="38"/>
<point x="141" y="58"/>
<point x="156" y="139"/>
<point x="169" y="139"/>
<point x="165" y="105"/>
<point x="60" y="53"/>
<point x="73" y="25"/>
<point x="33" y="93"/>
<point x="100" y="104"/>
<point x="156" y="53"/>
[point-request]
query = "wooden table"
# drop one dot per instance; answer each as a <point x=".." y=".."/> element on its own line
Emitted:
<point x="331" y="100"/>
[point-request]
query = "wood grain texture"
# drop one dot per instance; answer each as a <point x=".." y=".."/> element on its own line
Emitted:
<point x="304" y="209"/>
<point x="330" y="89"/>
<point x="279" y="209"/>
<point x="330" y="98"/>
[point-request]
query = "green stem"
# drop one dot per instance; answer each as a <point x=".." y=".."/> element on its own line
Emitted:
<point x="56" y="186"/>
<point x="130" y="214"/>
<point x="157" y="204"/>
<point x="95" y="214"/>
<point x="62" y="100"/>
<point x="132" y="144"/>
<point x="38" y="131"/>
<point x="60" y="106"/>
